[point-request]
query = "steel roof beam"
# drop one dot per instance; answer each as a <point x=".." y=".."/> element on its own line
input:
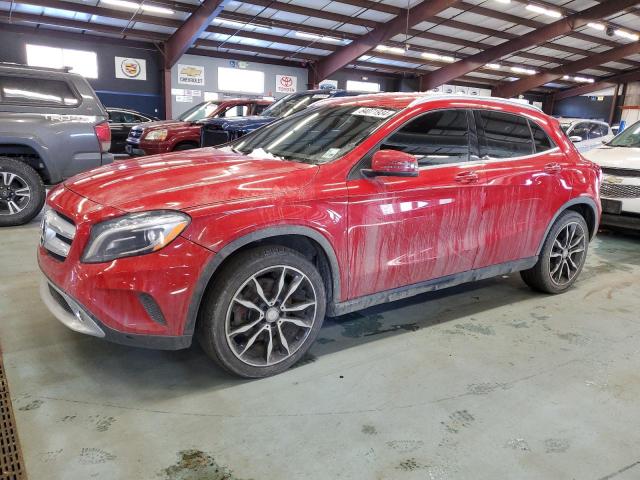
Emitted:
<point x="631" y="76"/>
<point x="187" y="34"/>
<point x="511" y="89"/>
<point x="327" y="65"/>
<point x="552" y="30"/>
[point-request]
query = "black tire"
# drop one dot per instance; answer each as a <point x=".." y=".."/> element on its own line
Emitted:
<point x="545" y="276"/>
<point x="185" y="146"/>
<point x="219" y="309"/>
<point x="25" y="177"/>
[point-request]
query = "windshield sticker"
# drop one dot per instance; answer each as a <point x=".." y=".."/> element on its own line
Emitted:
<point x="329" y="154"/>
<point x="373" y="112"/>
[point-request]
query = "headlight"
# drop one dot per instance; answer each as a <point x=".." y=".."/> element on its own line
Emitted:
<point x="134" y="234"/>
<point x="158" y="135"/>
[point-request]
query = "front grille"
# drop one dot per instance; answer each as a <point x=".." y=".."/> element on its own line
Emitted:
<point x="617" y="190"/>
<point x="621" y="172"/>
<point x="58" y="232"/>
<point x="11" y="463"/>
<point x="135" y="133"/>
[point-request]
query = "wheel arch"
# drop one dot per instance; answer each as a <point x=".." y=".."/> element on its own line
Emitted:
<point x="29" y="151"/>
<point x="308" y="241"/>
<point x="585" y="206"/>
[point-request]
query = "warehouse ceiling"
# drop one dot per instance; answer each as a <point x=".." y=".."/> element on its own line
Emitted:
<point x="312" y="33"/>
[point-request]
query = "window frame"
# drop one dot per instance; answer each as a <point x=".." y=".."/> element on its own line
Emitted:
<point x="355" y="172"/>
<point x="481" y="132"/>
<point x="44" y="103"/>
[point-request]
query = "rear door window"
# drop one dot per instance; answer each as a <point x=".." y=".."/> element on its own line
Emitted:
<point x="37" y="91"/>
<point x="541" y="140"/>
<point x="503" y="135"/>
<point x="435" y="138"/>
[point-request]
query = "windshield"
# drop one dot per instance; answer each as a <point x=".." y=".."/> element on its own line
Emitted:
<point x="293" y="103"/>
<point x="314" y="136"/>
<point x="629" y="137"/>
<point x="200" y="111"/>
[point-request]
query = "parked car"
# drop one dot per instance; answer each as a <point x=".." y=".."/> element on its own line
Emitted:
<point x="121" y="121"/>
<point x="184" y="133"/>
<point x="620" y="190"/>
<point x="586" y="134"/>
<point x="52" y="126"/>
<point x="336" y="208"/>
<point x="216" y="131"/>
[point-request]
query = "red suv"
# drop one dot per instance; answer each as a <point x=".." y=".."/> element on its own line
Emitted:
<point x="347" y="204"/>
<point x="184" y="133"/>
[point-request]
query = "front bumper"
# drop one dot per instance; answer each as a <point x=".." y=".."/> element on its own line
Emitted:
<point x="140" y="301"/>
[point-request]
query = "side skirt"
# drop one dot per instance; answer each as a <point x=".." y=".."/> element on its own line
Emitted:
<point x="430" y="286"/>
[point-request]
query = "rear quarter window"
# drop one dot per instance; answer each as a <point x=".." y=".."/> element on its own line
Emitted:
<point x="541" y="140"/>
<point x="19" y="90"/>
<point x="503" y="135"/>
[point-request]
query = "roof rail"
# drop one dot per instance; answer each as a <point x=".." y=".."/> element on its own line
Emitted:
<point x="31" y="67"/>
<point x="432" y="96"/>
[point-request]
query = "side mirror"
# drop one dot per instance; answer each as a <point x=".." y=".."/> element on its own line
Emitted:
<point x="392" y="163"/>
<point x="575" y="138"/>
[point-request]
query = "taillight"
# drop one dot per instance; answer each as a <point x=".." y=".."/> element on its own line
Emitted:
<point x="103" y="132"/>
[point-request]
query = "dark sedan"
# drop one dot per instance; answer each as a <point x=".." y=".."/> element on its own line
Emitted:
<point x="121" y="120"/>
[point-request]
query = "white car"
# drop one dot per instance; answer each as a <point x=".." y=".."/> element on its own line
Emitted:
<point x="620" y="190"/>
<point x="586" y="134"/>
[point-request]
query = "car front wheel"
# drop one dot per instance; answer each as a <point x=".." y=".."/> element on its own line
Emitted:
<point x="562" y="256"/>
<point x="262" y="312"/>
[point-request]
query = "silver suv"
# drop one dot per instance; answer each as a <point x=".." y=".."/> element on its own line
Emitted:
<point x="52" y="126"/>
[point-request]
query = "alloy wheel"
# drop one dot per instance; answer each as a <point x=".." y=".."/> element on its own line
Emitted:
<point x="14" y="193"/>
<point x="271" y="315"/>
<point x="567" y="253"/>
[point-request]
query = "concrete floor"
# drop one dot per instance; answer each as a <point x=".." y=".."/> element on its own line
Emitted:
<point x="485" y="381"/>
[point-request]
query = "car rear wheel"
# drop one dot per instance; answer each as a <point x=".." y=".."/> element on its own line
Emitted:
<point x="22" y="192"/>
<point x="262" y="312"/>
<point x="562" y="256"/>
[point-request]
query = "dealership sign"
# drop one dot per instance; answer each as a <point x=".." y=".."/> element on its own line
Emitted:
<point x="286" y="84"/>
<point x="191" y="75"/>
<point x="131" y="68"/>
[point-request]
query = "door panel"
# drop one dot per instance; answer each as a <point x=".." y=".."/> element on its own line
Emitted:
<point x="405" y="230"/>
<point x="521" y="196"/>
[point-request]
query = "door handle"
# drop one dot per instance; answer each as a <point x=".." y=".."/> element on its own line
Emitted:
<point x="467" y="177"/>
<point x="553" y="167"/>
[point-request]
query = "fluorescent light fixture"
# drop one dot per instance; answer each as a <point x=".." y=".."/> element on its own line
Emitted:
<point x="321" y="38"/>
<point x="493" y="66"/>
<point x="596" y="26"/>
<point x="583" y="79"/>
<point x="233" y="23"/>
<point x="436" y="56"/>
<point x="503" y="1"/>
<point x="526" y="71"/>
<point x="136" y="6"/>
<point x="384" y="48"/>
<point x="566" y="77"/>
<point x="625" y="34"/>
<point x="544" y="11"/>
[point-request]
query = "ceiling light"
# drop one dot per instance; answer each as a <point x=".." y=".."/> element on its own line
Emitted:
<point x="526" y="71"/>
<point x="625" y="34"/>
<point x="441" y="58"/>
<point x="493" y="66"/>
<point x="384" y="48"/>
<point x="313" y="36"/>
<point x="233" y="23"/>
<point x="544" y="11"/>
<point x="503" y="1"/>
<point x="583" y="79"/>
<point x="137" y="6"/>
<point x="596" y="26"/>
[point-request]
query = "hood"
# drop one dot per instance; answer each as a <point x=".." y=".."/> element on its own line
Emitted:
<point x="238" y="123"/>
<point x="181" y="180"/>
<point x="160" y="124"/>
<point x="615" y="157"/>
